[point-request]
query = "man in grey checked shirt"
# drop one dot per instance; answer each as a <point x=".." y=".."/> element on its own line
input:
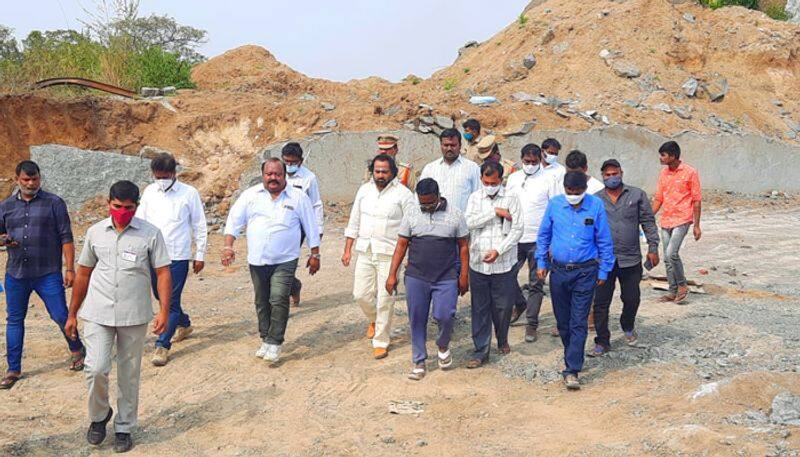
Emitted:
<point x="494" y="219"/>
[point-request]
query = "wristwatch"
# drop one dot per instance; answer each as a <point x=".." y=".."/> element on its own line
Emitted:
<point x="315" y="256"/>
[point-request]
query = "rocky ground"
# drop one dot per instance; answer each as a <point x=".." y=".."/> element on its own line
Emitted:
<point x="718" y="376"/>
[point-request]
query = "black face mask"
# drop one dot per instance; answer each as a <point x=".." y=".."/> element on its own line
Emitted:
<point x="429" y="208"/>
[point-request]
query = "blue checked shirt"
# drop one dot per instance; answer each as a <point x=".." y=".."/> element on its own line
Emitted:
<point x="42" y="227"/>
<point x="571" y="235"/>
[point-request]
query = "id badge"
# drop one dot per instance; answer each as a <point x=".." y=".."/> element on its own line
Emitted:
<point x="129" y="255"/>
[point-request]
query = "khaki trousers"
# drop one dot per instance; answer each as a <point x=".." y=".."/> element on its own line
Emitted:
<point x="99" y="341"/>
<point x="369" y="290"/>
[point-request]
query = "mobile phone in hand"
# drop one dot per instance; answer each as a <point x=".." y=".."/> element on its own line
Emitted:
<point x="648" y="265"/>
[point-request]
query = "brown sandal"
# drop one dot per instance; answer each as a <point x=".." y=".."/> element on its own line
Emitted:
<point x="667" y="298"/>
<point x="76" y="360"/>
<point x="9" y="380"/>
<point x="474" y="363"/>
<point x="681" y="297"/>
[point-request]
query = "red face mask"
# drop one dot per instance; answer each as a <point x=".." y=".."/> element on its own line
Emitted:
<point x="122" y="217"/>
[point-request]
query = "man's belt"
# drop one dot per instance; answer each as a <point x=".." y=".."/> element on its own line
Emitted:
<point x="574" y="266"/>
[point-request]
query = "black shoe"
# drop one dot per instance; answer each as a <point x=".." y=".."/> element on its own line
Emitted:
<point x="123" y="443"/>
<point x="531" y="335"/>
<point x="97" y="430"/>
<point x="516" y="313"/>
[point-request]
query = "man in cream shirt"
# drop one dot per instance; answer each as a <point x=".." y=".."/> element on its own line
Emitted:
<point x="374" y="223"/>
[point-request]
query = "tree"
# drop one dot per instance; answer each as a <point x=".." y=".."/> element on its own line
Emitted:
<point x="9" y="49"/>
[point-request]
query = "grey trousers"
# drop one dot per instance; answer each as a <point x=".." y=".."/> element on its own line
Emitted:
<point x="272" y="285"/>
<point x="672" y="239"/>
<point x="99" y="341"/>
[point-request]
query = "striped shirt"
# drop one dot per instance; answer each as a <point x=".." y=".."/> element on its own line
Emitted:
<point x="41" y="227"/>
<point x="456" y="181"/>
<point x="488" y="231"/>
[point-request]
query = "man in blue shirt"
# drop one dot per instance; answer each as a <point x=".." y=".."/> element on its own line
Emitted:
<point x="574" y="243"/>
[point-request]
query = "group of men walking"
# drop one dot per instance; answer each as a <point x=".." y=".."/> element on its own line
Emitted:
<point x="464" y="226"/>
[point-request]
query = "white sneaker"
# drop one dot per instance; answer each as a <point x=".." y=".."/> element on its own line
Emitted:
<point x="262" y="351"/>
<point x="273" y="353"/>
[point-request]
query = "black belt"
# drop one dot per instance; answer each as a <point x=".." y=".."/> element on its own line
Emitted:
<point x="575" y="266"/>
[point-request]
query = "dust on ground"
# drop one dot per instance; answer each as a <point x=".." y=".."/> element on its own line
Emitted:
<point x="700" y="383"/>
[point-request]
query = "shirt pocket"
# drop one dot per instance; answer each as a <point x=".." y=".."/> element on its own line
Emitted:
<point x="103" y="254"/>
<point x="140" y="262"/>
<point x="180" y="211"/>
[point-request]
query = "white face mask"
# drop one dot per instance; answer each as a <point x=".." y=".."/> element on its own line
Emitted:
<point x="165" y="184"/>
<point x="575" y="199"/>
<point x="491" y="190"/>
<point x="531" y="169"/>
<point x="550" y="158"/>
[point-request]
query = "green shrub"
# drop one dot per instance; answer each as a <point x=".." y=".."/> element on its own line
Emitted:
<point x="714" y="4"/>
<point x="156" y="67"/>
<point x="449" y="84"/>
<point x="777" y="12"/>
<point x="522" y="19"/>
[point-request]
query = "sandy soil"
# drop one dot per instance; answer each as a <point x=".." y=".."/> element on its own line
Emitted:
<point x="327" y="396"/>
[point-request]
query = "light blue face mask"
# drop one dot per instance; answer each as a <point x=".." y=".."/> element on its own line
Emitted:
<point x="292" y="169"/>
<point x="469" y="136"/>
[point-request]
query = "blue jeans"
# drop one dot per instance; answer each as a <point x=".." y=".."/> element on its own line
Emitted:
<point x="572" y="292"/>
<point x="50" y="288"/>
<point x="419" y="295"/>
<point x="177" y="318"/>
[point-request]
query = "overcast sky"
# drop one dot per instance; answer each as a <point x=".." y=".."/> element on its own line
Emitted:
<point x="334" y="39"/>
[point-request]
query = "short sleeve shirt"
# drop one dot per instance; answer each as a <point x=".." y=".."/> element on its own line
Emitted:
<point x="119" y="288"/>
<point x="433" y="250"/>
<point x="677" y="191"/>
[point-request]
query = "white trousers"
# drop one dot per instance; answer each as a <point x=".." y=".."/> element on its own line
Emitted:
<point x="369" y="290"/>
<point x="99" y="341"/>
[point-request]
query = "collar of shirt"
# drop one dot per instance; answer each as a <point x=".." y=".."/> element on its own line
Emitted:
<point x="500" y="193"/>
<point x="173" y="188"/>
<point x="455" y="162"/>
<point x="134" y="224"/>
<point x="605" y="196"/>
<point x="35" y="196"/>
<point x="677" y="169"/>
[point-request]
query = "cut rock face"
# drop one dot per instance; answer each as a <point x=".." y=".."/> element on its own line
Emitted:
<point x="625" y="69"/>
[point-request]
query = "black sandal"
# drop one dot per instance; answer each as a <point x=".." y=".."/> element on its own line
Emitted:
<point x="76" y="360"/>
<point x="9" y="380"/>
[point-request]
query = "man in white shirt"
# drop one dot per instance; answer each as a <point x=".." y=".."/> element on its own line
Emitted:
<point x="576" y="161"/>
<point x="373" y="228"/>
<point x="457" y="176"/>
<point x="176" y="209"/>
<point x="534" y="187"/>
<point x="550" y="149"/>
<point x="494" y="219"/>
<point x="274" y="215"/>
<point x="301" y="178"/>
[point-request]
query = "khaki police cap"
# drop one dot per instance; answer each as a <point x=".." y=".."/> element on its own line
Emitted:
<point x="387" y="141"/>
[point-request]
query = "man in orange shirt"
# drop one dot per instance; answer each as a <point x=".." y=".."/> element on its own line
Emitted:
<point x="679" y="195"/>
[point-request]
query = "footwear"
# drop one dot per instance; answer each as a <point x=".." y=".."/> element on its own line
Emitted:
<point x="667" y="298"/>
<point x="554" y="332"/>
<point x="9" y="380"/>
<point x="530" y="334"/>
<point x="371" y="331"/>
<point x="516" y="314"/>
<point x="504" y="349"/>
<point x="76" y="360"/>
<point x="97" y="430"/>
<point x="273" y="353"/>
<point x="683" y="292"/>
<point x="474" y="363"/>
<point x="445" y="359"/>
<point x="571" y="382"/>
<point x="160" y="357"/>
<point x="380" y="353"/>
<point x="598" y="351"/>
<point x="182" y="333"/>
<point x="418" y="372"/>
<point x="631" y="337"/>
<point x="262" y="351"/>
<point x="122" y="442"/>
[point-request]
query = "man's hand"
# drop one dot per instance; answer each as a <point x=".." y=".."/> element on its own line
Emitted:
<point x="227" y="256"/>
<point x="600" y="282"/>
<point x="391" y="284"/>
<point x="160" y="322"/>
<point x="541" y="274"/>
<point x="71" y="328"/>
<point x="346" y="258"/>
<point x="197" y="266"/>
<point x="313" y="265"/>
<point x="491" y="256"/>
<point x="653" y="258"/>
<point x="4" y="241"/>
<point x="69" y="278"/>
<point x="697" y="232"/>
<point x="463" y="285"/>
<point x="502" y="212"/>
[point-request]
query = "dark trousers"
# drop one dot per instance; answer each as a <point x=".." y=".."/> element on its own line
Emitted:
<point x="179" y="269"/>
<point x="630" y="294"/>
<point x="296" y="284"/>
<point x="492" y="301"/>
<point x="421" y="295"/>
<point x="526" y="252"/>
<point x="272" y="284"/>
<point x="571" y="292"/>
<point x="50" y="288"/>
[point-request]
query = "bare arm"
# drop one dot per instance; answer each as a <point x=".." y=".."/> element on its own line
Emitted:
<point x="68" y="251"/>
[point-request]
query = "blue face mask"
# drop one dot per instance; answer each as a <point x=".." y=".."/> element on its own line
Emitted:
<point x="468" y="136"/>
<point x="613" y="182"/>
<point x="292" y="169"/>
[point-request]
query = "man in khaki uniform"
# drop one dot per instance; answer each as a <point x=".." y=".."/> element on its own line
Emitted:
<point x="488" y="150"/>
<point x="387" y="144"/>
<point x="472" y="135"/>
